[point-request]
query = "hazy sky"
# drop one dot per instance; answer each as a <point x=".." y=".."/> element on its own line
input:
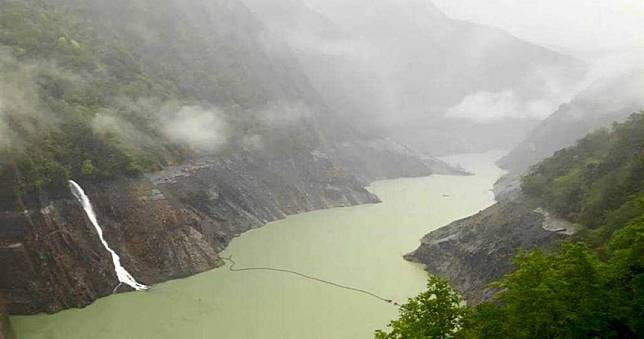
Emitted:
<point x="569" y="25"/>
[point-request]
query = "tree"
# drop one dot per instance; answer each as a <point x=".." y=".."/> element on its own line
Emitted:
<point x="435" y="313"/>
<point x="87" y="168"/>
<point x="567" y="294"/>
<point x="589" y="287"/>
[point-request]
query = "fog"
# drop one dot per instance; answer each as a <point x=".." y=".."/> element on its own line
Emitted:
<point x="580" y="27"/>
<point x="19" y="110"/>
<point x="443" y="76"/>
<point x="607" y="35"/>
<point x="393" y="65"/>
<point x="196" y="127"/>
<point x="390" y="65"/>
<point x="193" y="122"/>
<point x="488" y="107"/>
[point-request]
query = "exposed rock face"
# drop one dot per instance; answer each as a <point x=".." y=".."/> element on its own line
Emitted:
<point x="475" y="251"/>
<point x="173" y="223"/>
<point x="166" y="225"/>
<point x="55" y="260"/>
<point x="386" y="158"/>
<point x="6" y="331"/>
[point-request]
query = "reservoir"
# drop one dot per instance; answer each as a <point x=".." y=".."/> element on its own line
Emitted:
<point x="359" y="246"/>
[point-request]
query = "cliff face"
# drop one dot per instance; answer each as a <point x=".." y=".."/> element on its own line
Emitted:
<point x="55" y="259"/>
<point x="165" y="225"/>
<point x="475" y="251"/>
<point x="123" y="64"/>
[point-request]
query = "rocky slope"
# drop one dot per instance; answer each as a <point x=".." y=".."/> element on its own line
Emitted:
<point x="385" y="158"/>
<point x="164" y="225"/>
<point x="98" y="78"/>
<point x="475" y="251"/>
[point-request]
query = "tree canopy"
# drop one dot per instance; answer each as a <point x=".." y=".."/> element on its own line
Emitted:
<point x="589" y="287"/>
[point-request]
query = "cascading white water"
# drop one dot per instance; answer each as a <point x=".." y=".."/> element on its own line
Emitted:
<point x="122" y="274"/>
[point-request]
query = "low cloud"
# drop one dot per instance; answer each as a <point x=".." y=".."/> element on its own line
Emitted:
<point x="21" y="111"/>
<point x="107" y="122"/>
<point x="252" y="142"/>
<point x="616" y="64"/>
<point x="484" y="106"/>
<point x="281" y="114"/>
<point x="201" y="129"/>
<point x="493" y="106"/>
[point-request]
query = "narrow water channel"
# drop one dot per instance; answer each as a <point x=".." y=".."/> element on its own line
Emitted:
<point x="359" y="246"/>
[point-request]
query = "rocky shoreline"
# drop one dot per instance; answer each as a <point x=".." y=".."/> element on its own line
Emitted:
<point x="165" y="225"/>
<point x="478" y="250"/>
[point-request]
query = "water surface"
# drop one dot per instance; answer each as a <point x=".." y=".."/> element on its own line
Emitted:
<point x="358" y="246"/>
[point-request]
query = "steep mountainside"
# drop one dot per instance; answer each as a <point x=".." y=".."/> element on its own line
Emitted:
<point x="180" y="126"/>
<point x="377" y="159"/>
<point x="412" y="72"/>
<point x="598" y="183"/>
<point x="165" y="225"/>
<point x="475" y="251"/>
<point x="591" y="190"/>
<point x="604" y="102"/>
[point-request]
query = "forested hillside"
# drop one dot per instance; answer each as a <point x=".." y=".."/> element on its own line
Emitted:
<point x="598" y="183"/>
<point x="180" y="127"/>
<point x="99" y="90"/>
<point x="591" y="285"/>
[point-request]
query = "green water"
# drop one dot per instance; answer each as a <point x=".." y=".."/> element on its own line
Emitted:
<point x="359" y="246"/>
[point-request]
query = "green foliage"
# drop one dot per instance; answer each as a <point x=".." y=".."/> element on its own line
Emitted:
<point x="56" y="80"/>
<point x="556" y="296"/>
<point x="486" y="320"/>
<point x="435" y="313"/>
<point x="570" y="293"/>
<point x="88" y="83"/>
<point x="626" y="253"/>
<point x="597" y="182"/>
<point x="590" y="288"/>
<point x="87" y="168"/>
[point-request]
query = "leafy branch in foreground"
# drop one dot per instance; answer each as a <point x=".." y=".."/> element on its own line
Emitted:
<point x="435" y="313"/>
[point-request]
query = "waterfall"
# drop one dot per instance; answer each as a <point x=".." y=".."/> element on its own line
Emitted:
<point x="122" y="274"/>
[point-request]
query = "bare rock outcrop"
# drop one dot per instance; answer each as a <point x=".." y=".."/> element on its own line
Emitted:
<point x="164" y="225"/>
<point x="475" y="251"/>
